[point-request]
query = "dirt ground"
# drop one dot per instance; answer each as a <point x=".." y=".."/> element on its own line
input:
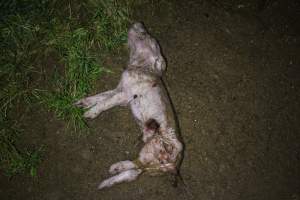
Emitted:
<point x="233" y="76"/>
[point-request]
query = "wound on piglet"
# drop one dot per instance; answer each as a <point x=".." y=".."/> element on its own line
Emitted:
<point x="151" y="124"/>
<point x="154" y="84"/>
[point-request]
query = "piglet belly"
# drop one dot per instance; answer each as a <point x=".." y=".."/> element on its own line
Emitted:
<point x="148" y="106"/>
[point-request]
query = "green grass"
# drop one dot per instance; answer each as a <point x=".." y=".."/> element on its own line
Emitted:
<point x="76" y="35"/>
<point x="18" y="37"/>
<point x="80" y="72"/>
<point x="110" y="24"/>
<point x="12" y="159"/>
<point x="79" y="44"/>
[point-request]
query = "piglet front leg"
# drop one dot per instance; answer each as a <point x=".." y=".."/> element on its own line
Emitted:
<point x="101" y="102"/>
<point x="91" y="101"/>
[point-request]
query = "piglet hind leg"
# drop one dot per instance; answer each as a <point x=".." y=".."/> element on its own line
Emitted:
<point x="125" y="176"/>
<point x="121" y="166"/>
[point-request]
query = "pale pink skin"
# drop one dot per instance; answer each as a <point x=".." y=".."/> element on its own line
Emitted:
<point x="140" y="87"/>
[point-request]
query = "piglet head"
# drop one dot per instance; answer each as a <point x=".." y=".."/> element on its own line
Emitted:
<point x="144" y="50"/>
<point x="137" y="32"/>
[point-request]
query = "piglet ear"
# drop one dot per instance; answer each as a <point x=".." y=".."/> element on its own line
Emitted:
<point x="160" y="65"/>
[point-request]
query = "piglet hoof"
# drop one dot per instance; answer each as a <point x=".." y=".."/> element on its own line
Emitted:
<point x="90" y="114"/>
<point x="84" y="103"/>
<point x="104" y="184"/>
<point x="125" y="176"/>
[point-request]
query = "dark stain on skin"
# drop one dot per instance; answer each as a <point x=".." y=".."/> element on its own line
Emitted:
<point x="152" y="124"/>
<point x="168" y="148"/>
<point x="135" y="96"/>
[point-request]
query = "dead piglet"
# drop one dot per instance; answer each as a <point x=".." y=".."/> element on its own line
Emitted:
<point x="141" y="88"/>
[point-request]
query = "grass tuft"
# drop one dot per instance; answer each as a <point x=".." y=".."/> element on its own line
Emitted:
<point x="12" y="160"/>
<point x="80" y="73"/>
<point x="78" y="49"/>
<point x="110" y="22"/>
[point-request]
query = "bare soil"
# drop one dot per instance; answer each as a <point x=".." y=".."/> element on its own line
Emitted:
<point x="233" y="76"/>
